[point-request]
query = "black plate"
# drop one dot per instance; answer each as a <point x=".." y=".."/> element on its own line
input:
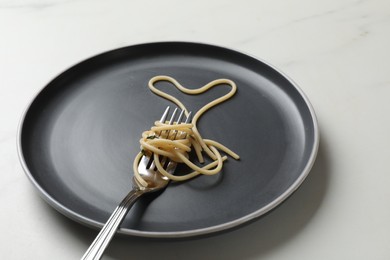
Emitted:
<point x="78" y="138"/>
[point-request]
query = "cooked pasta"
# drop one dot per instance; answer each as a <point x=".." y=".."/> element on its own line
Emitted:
<point x="177" y="140"/>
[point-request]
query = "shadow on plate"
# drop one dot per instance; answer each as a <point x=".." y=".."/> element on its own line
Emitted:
<point x="260" y="237"/>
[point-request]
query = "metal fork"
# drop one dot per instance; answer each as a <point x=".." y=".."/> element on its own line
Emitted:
<point x="156" y="181"/>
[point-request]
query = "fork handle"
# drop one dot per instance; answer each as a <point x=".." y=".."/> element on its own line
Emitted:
<point x="96" y="249"/>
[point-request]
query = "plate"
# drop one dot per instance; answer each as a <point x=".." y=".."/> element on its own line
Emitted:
<point x="78" y="137"/>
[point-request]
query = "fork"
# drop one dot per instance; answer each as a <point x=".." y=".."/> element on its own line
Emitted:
<point x="156" y="181"/>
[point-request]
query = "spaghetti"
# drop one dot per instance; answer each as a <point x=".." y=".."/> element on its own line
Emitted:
<point x="178" y="141"/>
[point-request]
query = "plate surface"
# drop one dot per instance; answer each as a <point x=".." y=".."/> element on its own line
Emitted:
<point x="78" y="138"/>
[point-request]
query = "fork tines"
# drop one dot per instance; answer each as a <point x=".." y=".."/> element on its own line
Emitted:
<point x="166" y="133"/>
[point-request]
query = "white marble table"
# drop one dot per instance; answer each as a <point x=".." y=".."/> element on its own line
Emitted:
<point x="337" y="51"/>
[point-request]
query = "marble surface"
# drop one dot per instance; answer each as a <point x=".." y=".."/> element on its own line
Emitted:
<point x="337" y="51"/>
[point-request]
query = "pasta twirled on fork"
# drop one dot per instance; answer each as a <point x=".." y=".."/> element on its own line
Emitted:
<point x="175" y="141"/>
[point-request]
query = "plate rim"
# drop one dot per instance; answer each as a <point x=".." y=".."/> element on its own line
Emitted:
<point x="173" y="234"/>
